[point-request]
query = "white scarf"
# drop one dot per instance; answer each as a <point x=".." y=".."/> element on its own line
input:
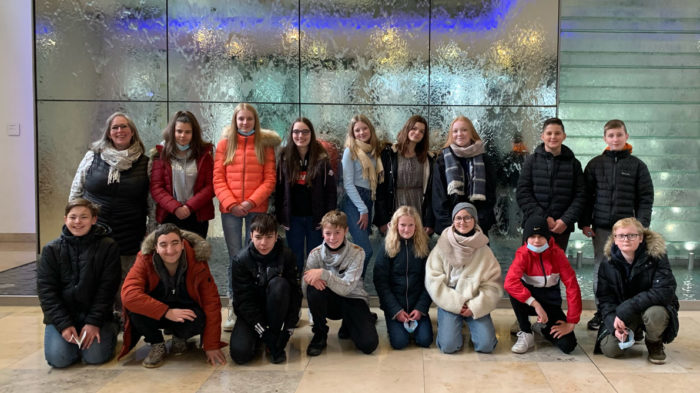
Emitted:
<point x="120" y="160"/>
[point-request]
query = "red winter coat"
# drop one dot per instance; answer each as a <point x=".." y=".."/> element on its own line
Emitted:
<point x="245" y="178"/>
<point x="143" y="278"/>
<point x="201" y="203"/>
<point x="528" y="267"/>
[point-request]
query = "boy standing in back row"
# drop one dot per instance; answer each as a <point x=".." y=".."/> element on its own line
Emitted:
<point x="618" y="185"/>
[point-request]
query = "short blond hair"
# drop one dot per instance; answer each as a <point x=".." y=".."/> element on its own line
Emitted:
<point x="335" y="218"/>
<point x="629" y="221"/>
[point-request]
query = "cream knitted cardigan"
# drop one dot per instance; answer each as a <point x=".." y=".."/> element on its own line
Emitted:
<point x="479" y="284"/>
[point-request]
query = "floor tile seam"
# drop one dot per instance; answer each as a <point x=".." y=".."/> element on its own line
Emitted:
<point x="598" y="368"/>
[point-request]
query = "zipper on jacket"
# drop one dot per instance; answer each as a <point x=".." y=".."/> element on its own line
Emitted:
<point x="613" y="191"/>
<point x="245" y="146"/>
<point x="406" y="247"/>
<point x="544" y="273"/>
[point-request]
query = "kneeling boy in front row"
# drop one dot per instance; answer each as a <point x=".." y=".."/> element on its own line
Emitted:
<point x="533" y="285"/>
<point x="334" y="288"/>
<point x="266" y="294"/>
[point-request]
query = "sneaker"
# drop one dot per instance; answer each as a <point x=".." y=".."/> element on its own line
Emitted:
<point x="656" y="352"/>
<point x="524" y="343"/>
<point x="514" y="328"/>
<point x="537" y="327"/>
<point x="318" y="342"/>
<point x="594" y="323"/>
<point x="230" y="320"/>
<point x="178" y="346"/>
<point x="155" y="357"/>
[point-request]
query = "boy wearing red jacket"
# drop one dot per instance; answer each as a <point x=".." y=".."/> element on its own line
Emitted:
<point x="533" y="285"/>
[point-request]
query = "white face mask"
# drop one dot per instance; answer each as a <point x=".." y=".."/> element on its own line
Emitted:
<point x="538" y="250"/>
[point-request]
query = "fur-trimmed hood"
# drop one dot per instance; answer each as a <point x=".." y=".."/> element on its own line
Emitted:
<point x="656" y="245"/>
<point x="201" y="248"/>
<point x="269" y="138"/>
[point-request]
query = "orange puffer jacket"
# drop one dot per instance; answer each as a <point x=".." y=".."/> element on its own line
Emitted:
<point x="245" y="178"/>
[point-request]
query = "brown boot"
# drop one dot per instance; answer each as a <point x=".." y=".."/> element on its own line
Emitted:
<point x="656" y="352"/>
<point x="155" y="357"/>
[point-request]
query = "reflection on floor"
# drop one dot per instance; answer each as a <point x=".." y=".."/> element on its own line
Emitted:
<point x="343" y="369"/>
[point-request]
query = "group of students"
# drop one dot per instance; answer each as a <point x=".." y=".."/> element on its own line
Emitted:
<point x="167" y="284"/>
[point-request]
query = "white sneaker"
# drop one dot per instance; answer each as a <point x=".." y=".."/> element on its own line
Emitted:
<point x="524" y="343"/>
<point x="230" y="320"/>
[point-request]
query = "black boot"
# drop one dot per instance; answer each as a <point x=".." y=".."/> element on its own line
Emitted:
<point x="318" y="342"/>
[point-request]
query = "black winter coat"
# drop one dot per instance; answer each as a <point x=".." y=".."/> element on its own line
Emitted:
<point x="251" y="273"/>
<point x="77" y="279"/>
<point x="385" y="203"/>
<point x="618" y="185"/>
<point x="552" y="186"/>
<point x="123" y="205"/>
<point x="323" y="191"/>
<point x="650" y="283"/>
<point x="443" y="203"/>
<point x="400" y="282"/>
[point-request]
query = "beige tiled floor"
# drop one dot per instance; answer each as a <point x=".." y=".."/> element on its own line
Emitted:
<point x="13" y="254"/>
<point x="343" y="369"/>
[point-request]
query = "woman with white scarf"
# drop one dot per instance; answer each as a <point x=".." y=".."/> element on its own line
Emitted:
<point x="362" y="171"/>
<point x="463" y="278"/>
<point x="114" y="175"/>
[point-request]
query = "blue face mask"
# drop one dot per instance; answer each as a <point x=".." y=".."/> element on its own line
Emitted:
<point x="249" y="133"/>
<point x="629" y="342"/>
<point x="183" y="148"/>
<point x="410" y="326"/>
<point x="538" y="250"/>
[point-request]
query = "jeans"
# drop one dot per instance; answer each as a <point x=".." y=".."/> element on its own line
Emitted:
<point x="59" y="353"/>
<point x="399" y="338"/>
<point x="360" y="236"/>
<point x="233" y="234"/>
<point x="449" y="335"/>
<point x="653" y="320"/>
<point x="522" y="311"/>
<point x="302" y="229"/>
<point x="601" y="237"/>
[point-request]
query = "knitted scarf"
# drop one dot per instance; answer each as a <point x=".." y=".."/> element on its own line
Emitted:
<point x="120" y="160"/>
<point x="375" y="175"/>
<point x="454" y="172"/>
<point x="459" y="250"/>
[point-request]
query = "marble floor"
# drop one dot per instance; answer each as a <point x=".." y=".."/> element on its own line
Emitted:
<point x="343" y="369"/>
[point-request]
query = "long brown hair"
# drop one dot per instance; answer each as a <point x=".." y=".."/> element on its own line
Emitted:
<point x="402" y="139"/>
<point x="232" y="135"/>
<point x="472" y="131"/>
<point x="290" y="154"/>
<point x="197" y="145"/>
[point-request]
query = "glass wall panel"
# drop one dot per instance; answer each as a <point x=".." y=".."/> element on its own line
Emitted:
<point x="368" y="52"/>
<point x="101" y="50"/>
<point x="493" y="52"/>
<point x="66" y="131"/>
<point x="242" y="51"/>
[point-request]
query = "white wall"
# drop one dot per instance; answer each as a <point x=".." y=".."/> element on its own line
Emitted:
<point x="17" y="176"/>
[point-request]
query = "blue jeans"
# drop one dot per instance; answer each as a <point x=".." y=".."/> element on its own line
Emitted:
<point x="360" y="236"/>
<point x="302" y="229"/>
<point x="449" y="336"/>
<point x="233" y="234"/>
<point x="59" y="353"/>
<point x="399" y="338"/>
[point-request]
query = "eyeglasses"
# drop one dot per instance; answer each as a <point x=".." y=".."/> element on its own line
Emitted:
<point x="628" y="236"/>
<point x="302" y="132"/>
<point x="118" y="126"/>
<point x="464" y="219"/>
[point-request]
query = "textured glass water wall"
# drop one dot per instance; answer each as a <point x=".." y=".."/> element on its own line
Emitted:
<point x="639" y="62"/>
<point x="494" y="61"/>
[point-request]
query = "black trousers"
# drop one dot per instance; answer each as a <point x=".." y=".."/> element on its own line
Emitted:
<point x="245" y="340"/>
<point x="189" y="224"/>
<point x="522" y="311"/>
<point x="150" y="328"/>
<point x="354" y="313"/>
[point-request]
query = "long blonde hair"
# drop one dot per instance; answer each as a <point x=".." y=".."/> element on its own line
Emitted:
<point x="472" y="131"/>
<point x="373" y="140"/>
<point x="392" y="243"/>
<point x="232" y="133"/>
